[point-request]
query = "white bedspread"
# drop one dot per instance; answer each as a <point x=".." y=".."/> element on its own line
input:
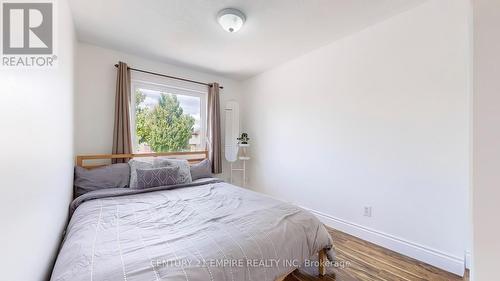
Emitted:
<point x="213" y="231"/>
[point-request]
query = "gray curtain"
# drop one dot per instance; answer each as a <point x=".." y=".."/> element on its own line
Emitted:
<point x="122" y="138"/>
<point x="213" y="130"/>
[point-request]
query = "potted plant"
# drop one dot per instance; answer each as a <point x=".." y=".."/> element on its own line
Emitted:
<point x="243" y="139"/>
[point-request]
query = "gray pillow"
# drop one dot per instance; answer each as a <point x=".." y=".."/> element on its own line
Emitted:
<point x="164" y="176"/>
<point x="111" y="176"/>
<point x="138" y="164"/>
<point x="183" y="164"/>
<point x="201" y="170"/>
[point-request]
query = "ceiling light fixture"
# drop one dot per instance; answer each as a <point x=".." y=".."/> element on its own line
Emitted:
<point x="231" y="19"/>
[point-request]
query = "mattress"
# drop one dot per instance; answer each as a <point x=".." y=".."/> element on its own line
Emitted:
<point x="207" y="230"/>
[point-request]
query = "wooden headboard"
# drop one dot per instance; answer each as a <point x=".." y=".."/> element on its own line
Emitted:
<point x="192" y="157"/>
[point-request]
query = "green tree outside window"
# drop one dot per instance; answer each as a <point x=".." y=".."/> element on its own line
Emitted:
<point x="163" y="127"/>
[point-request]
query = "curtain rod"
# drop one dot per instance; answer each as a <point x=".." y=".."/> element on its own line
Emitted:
<point x="168" y="76"/>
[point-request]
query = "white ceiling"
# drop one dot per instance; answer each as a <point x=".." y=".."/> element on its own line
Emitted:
<point x="186" y="33"/>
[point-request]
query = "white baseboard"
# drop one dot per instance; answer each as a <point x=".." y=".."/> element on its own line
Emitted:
<point x="468" y="259"/>
<point x="419" y="252"/>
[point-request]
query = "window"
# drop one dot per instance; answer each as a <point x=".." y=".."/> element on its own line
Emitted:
<point x="167" y="118"/>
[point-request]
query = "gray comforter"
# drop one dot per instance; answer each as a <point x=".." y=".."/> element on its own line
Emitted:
<point x="208" y="230"/>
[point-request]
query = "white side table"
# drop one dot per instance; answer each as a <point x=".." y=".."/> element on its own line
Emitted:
<point x="243" y="158"/>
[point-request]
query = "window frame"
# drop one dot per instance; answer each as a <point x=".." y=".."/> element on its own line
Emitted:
<point x="171" y="89"/>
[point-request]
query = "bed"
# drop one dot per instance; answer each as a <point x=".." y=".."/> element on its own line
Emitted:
<point x="204" y="230"/>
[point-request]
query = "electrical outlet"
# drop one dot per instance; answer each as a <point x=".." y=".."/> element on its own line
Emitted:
<point x="367" y="211"/>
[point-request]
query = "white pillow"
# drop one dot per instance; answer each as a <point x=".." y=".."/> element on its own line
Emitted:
<point x="183" y="164"/>
<point x="146" y="163"/>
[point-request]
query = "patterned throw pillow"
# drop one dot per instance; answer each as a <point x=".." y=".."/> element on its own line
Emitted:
<point x="148" y="178"/>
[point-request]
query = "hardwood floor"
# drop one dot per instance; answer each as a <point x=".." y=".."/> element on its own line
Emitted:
<point x="366" y="261"/>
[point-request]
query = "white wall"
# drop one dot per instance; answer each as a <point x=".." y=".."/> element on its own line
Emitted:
<point x="36" y="125"/>
<point x="96" y="83"/>
<point x="486" y="195"/>
<point x="380" y="118"/>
